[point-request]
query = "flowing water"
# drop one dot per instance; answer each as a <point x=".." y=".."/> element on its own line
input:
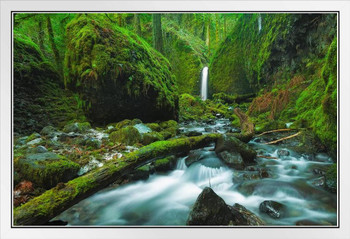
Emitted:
<point x="166" y="199"/>
<point x="204" y="83"/>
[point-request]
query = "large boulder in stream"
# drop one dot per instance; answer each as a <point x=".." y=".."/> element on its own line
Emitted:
<point x="116" y="73"/>
<point x="229" y="148"/>
<point x="210" y="209"/>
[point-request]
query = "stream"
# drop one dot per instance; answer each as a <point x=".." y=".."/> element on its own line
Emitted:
<point x="167" y="198"/>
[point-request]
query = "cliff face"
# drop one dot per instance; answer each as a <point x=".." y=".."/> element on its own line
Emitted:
<point x="250" y="58"/>
<point x="291" y="62"/>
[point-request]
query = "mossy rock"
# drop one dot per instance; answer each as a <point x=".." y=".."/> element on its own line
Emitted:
<point x="104" y="61"/>
<point x="77" y="127"/>
<point x="165" y="164"/>
<point x="168" y="124"/>
<point x="154" y="127"/>
<point x="128" y="135"/>
<point x="151" y="137"/>
<point x="33" y="136"/>
<point x="47" y="169"/>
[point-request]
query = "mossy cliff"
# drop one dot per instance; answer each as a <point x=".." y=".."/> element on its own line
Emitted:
<point x="39" y="97"/>
<point x="251" y="58"/>
<point x="117" y="74"/>
<point x="186" y="54"/>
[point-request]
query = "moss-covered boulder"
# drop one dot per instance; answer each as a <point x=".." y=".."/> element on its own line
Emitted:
<point x="151" y="137"/>
<point x="117" y="74"/>
<point x="77" y="127"/>
<point x="39" y="95"/>
<point x="128" y="135"/>
<point x="46" y="169"/>
<point x="164" y="164"/>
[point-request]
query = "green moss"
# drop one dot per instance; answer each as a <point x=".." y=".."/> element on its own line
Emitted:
<point x="77" y="127"/>
<point x="104" y="58"/>
<point x="128" y="135"/>
<point x="39" y="99"/>
<point x="154" y="127"/>
<point x="32" y="136"/>
<point x="47" y="169"/>
<point x="187" y="55"/>
<point x="151" y="137"/>
<point x="168" y="124"/>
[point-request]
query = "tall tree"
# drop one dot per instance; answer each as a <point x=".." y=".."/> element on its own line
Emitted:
<point x="41" y="34"/>
<point x="137" y="24"/>
<point x="53" y="45"/>
<point x="157" y="33"/>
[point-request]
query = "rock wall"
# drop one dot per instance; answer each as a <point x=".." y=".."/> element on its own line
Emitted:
<point x="117" y="74"/>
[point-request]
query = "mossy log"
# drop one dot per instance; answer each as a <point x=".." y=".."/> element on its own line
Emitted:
<point x="41" y="209"/>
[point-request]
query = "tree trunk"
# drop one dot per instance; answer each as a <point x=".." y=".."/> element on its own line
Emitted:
<point x="247" y="126"/>
<point x="217" y="29"/>
<point x="41" y="34"/>
<point x="51" y="203"/>
<point x="207" y="41"/>
<point x="225" y="26"/>
<point x="137" y="22"/>
<point x="53" y="46"/>
<point x="157" y="33"/>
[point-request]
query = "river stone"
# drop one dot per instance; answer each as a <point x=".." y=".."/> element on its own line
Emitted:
<point x="232" y="144"/>
<point x="77" y="127"/>
<point x="193" y="156"/>
<point x="283" y="152"/>
<point x="48" y="130"/>
<point x="40" y="149"/>
<point x="273" y="209"/>
<point x="232" y="159"/>
<point x="35" y="141"/>
<point x="210" y="209"/>
<point x="243" y="216"/>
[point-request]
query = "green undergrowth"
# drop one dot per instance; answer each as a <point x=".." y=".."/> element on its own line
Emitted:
<point x="194" y="108"/>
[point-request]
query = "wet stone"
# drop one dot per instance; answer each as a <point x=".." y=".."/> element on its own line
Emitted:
<point x="273" y="209"/>
<point x="283" y="152"/>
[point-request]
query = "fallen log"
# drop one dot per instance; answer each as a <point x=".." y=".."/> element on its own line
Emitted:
<point x="51" y="203"/>
<point x="288" y="137"/>
<point x="273" y="131"/>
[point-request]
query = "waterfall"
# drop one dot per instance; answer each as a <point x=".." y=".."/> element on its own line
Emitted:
<point x="204" y="83"/>
<point x="259" y="22"/>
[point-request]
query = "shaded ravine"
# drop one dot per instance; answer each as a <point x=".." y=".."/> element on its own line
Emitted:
<point x="166" y="199"/>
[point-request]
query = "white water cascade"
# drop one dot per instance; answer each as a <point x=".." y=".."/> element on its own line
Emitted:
<point x="259" y="22"/>
<point x="204" y="83"/>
